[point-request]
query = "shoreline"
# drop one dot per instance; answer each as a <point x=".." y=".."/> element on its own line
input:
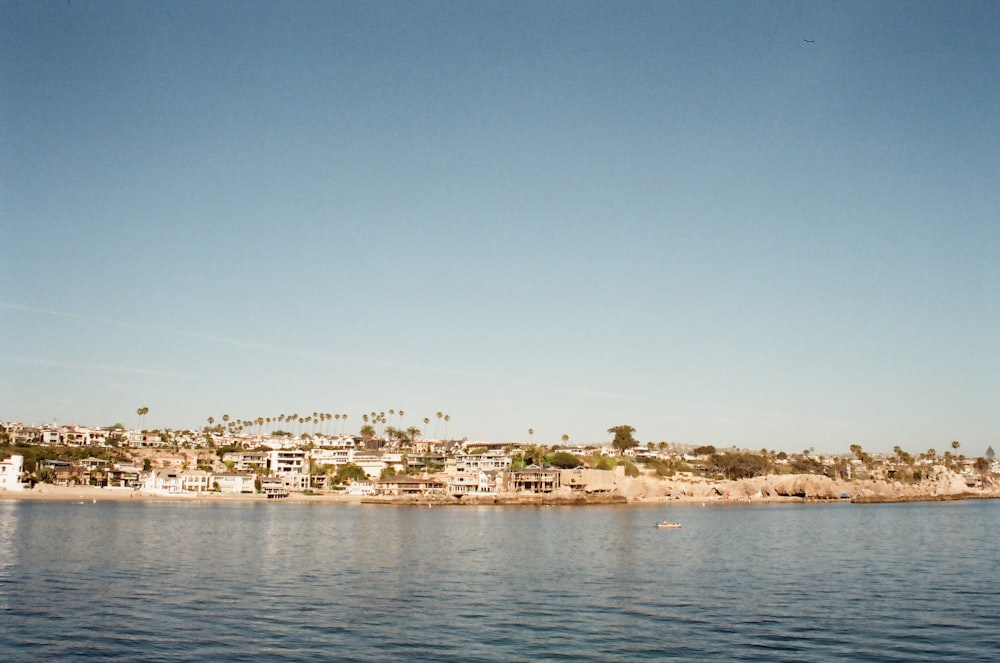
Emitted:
<point x="51" y="493"/>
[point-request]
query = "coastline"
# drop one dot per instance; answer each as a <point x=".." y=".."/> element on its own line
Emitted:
<point x="51" y="493"/>
<point x="93" y="494"/>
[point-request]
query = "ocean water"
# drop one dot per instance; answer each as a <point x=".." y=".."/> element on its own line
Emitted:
<point x="158" y="581"/>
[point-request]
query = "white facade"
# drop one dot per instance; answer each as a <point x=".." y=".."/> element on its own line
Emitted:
<point x="287" y="461"/>
<point x="163" y="482"/>
<point x="234" y="483"/>
<point x="10" y="473"/>
<point x="489" y="460"/>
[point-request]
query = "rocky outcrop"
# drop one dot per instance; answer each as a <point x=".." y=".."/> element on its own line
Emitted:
<point x="938" y="483"/>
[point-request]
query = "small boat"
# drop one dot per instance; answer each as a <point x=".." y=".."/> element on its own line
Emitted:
<point x="666" y="524"/>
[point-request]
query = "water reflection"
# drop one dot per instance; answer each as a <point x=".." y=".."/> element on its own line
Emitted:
<point x="9" y="523"/>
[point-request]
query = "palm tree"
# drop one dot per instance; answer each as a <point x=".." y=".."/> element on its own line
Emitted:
<point x="439" y="415"/>
<point x="955" y="445"/>
<point x="982" y="466"/>
<point x="142" y="412"/>
<point x="427" y="421"/>
<point x="531" y="435"/>
<point x="367" y="432"/>
<point x="447" y="418"/>
<point x="565" y="439"/>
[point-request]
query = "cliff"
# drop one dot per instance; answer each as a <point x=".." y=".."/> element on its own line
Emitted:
<point x="938" y="483"/>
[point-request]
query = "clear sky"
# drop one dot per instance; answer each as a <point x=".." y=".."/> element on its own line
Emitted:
<point x="760" y="224"/>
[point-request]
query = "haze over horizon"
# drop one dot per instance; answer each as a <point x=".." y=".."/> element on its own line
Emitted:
<point x="754" y="224"/>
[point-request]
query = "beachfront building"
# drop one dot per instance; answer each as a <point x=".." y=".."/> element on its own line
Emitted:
<point x="286" y="461"/>
<point x="406" y="485"/>
<point x="164" y="481"/>
<point x="232" y="483"/>
<point x="196" y="481"/>
<point x="477" y="482"/>
<point x="64" y="473"/>
<point x="10" y="473"/>
<point x="534" y="479"/>
<point x="125" y="475"/>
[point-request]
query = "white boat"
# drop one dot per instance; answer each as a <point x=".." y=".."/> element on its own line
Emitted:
<point x="668" y="525"/>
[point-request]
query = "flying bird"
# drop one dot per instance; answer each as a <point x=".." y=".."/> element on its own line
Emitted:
<point x="809" y="41"/>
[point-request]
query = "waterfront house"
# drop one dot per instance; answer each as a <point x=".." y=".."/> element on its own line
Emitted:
<point x="233" y="483"/>
<point x="196" y="481"/>
<point x="534" y="479"/>
<point x="164" y="481"/>
<point x="477" y="482"/>
<point x="408" y="485"/>
<point x="286" y="461"/>
<point x="124" y="475"/>
<point x="274" y="488"/>
<point x="10" y="473"/>
<point x="65" y="473"/>
<point x="361" y="487"/>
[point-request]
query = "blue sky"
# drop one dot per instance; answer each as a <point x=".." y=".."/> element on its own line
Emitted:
<point x="559" y="216"/>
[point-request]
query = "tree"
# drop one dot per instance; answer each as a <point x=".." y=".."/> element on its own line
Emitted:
<point x="735" y="466"/>
<point x="533" y="454"/>
<point x="531" y="435"/>
<point x="704" y="450"/>
<point x="142" y="412"/>
<point x="989" y="453"/>
<point x="565" y="460"/>
<point x="367" y="432"/>
<point x="983" y="466"/>
<point x="349" y="472"/>
<point x="623" y="440"/>
<point x="955" y="445"/>
<point x="565" y="438"/>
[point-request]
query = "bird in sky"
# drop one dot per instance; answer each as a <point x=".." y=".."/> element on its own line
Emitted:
<point x="809" y="41"/>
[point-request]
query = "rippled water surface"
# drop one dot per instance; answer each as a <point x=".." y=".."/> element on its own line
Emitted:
<point x="287" y="582"/>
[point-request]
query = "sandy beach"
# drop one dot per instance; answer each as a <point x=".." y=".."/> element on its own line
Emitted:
<point x="95" y="494"/>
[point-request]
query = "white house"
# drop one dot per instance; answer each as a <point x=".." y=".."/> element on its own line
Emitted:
<point x="164" y="482"/>
<point x="10" y="473"/>
<point x="234" y="483"/>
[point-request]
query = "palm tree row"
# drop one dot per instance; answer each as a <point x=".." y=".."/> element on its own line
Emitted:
<point x="380" y="424"/>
